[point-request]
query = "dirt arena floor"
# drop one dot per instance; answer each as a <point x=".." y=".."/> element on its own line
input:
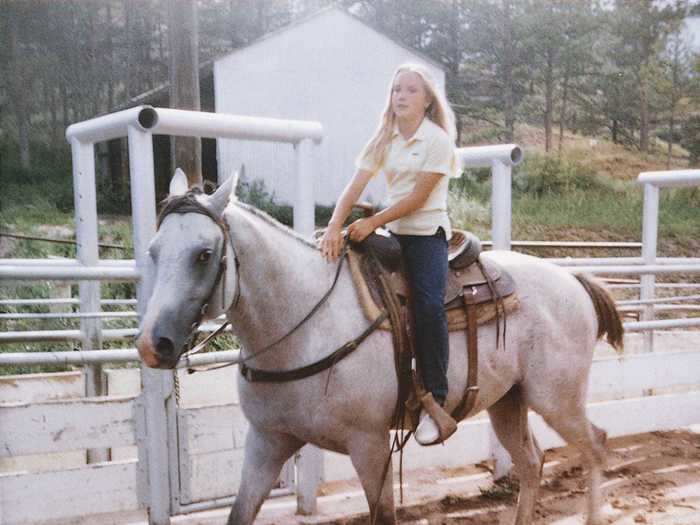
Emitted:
<point x="651" y="478"/>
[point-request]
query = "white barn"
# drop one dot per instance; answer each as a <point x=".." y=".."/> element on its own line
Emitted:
<point x="330" y="67"/>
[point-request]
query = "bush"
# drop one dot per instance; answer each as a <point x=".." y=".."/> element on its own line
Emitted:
<point x="547" y="174"/>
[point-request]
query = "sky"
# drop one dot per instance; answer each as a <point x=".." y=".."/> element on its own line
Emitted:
<point x="691" y="33"/>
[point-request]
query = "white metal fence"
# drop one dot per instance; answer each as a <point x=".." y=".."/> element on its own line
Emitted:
<point x="162" y="477"/>
<point x="156" y="474"/>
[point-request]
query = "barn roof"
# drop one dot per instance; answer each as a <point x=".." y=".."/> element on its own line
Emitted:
<point x="206" y="68"/>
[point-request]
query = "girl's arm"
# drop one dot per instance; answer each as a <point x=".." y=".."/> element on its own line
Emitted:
<point x="425" y="183"/>
<point x="332" y="240"/>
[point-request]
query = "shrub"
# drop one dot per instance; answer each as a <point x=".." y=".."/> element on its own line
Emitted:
<point x="548" y="174"/>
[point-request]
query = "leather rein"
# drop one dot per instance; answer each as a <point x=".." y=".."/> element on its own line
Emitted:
<point x="188" y="203"/>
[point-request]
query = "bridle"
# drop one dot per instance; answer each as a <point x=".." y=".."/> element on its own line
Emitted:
<point x="188" y="203"/>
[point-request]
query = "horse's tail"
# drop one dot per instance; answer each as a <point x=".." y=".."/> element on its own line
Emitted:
<point x="608" y="317"/>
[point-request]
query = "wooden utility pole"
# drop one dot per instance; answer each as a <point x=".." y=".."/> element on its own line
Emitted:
<point x="183" y="35"/>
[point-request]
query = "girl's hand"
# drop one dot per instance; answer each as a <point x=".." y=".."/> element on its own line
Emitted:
<point x="360" y="229"/>
<point x="331" y="243"/>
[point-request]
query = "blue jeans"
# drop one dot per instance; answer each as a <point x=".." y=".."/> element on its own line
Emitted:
<point x="425" y="258"/>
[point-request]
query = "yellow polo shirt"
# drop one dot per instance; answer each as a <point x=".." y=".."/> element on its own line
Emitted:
<point x="428" y="150"/>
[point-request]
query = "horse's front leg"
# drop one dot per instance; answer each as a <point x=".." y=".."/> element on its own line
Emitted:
<point x="265" y="454"/>
<point x="371" y="457"/>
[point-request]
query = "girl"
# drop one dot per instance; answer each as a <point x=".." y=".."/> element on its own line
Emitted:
<point x="414" y="147"/>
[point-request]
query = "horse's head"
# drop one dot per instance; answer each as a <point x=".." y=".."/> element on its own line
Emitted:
<point x="192" y="265"/>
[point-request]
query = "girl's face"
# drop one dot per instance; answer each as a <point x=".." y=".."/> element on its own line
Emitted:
<point x="409" y="98"/>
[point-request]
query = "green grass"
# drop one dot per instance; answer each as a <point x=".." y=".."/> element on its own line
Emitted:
<point x="561" y="199"/>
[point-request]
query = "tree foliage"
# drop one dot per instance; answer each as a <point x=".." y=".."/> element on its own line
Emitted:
<point x="591" y="66"/>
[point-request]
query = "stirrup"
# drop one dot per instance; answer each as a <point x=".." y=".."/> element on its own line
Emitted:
<point x="445" y="423"/>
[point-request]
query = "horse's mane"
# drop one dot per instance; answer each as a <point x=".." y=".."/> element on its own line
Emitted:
<point x="190" y="202"/>
<point x="276" y="224"/>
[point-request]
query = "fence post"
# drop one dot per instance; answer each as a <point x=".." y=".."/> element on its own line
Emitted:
<point x="500" y="205"/>
<point x="157" y="385"/>
<point x="309" y="463"/>
<point x="304" y="220"/>
<point x="650" y="229"/>
<point x="501" y="182"/>
<point x="309" y="460"/>
<point x="85" y="199"/>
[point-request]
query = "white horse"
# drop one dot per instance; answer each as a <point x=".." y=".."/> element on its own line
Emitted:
<point x="277" y="279"/>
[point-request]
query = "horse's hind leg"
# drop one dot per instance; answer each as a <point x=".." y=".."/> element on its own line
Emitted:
<point x="509" y="419"/>
<point x="573" y="425"/>
<point x="371" y="457"/>
<point x="265" y="454"/>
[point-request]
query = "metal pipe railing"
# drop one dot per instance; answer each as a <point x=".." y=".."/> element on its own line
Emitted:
<point x="652" y="182"/>
<point x="29" y="336"/>
<point x="69" y="315"/>
<point x="63" y="302"/>
<point x="639" y="326"/>
<point x="618" y="261"/>
<point x="500" y="159"/>
<point x="108" y="263"/>
<point x="660" y="300"/>
<point x="572" y="244"/>
<point x="674" y="286"/>
<point x="69" y="273"/>
<point x="670" y="178"/>
<point x="219" y="125"/>
<point x="663" y="307"/>
<point x="642" y="269"/>
<point x="125" y="355"/>
<point x="485" y="156"/>
<point x="108" y="127"/>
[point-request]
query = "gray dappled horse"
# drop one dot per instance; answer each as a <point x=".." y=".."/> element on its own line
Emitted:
<point x="278" y="278"/>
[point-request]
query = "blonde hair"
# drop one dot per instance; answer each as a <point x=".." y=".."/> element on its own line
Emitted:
<point x="438" y="110"/>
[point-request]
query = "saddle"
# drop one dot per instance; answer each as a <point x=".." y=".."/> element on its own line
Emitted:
<point x="478" y="291"/>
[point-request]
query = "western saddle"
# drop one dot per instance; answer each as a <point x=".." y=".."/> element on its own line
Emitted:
<point x="477" y="291"/>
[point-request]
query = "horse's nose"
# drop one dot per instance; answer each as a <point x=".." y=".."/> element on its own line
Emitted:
<point x="165" y="347"/>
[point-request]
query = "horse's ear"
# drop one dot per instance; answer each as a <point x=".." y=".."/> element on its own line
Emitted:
<point x="223" y="194"/>
<point x="178" y="184"/>
<point x="236" y="178"/>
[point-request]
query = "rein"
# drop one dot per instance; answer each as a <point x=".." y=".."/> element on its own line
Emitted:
<point x="189" y="204"/>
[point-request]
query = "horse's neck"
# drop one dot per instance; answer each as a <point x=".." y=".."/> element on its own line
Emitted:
<point x="281" y="278"/>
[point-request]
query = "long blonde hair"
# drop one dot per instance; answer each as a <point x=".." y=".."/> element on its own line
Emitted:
<point x="438" y="110"/>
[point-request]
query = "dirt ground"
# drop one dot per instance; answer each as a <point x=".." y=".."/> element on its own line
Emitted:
<point x="651" y="478"/>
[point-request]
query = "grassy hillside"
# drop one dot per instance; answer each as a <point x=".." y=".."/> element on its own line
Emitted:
<point x="588" y="193"/>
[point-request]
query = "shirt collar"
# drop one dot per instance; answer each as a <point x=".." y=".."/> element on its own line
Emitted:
<point x="420" y="134"/>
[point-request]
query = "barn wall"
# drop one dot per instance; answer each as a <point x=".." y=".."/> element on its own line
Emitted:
<point x="331" y="68"/>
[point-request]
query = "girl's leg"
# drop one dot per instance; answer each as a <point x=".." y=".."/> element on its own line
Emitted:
<point x="426" y="264"/>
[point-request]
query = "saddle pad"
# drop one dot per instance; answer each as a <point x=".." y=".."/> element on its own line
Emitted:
<point x="456" y="318"/>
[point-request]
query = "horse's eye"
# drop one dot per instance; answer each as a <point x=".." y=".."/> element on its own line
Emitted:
<point x="204" y="256"/>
